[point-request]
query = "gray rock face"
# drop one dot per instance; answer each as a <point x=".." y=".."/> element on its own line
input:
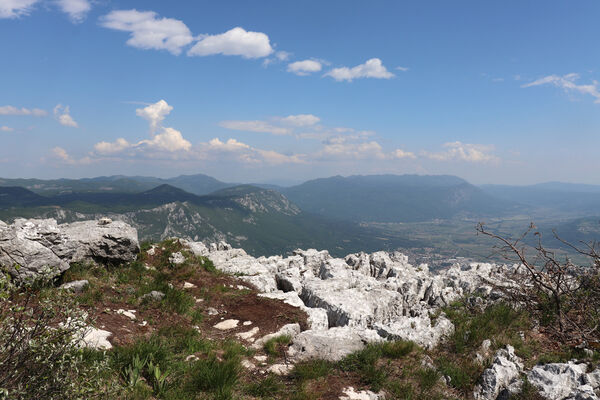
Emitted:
<point x="502" y="378"/>
<point x="380" y="293"/>
<point x="560" y="381"/>
<point x="28" y="248"/>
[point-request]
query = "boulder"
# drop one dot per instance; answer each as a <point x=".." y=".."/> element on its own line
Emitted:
<point x="116" y="242"/>
<point x="332" y="344"/>
<point x="26" y="249"/>
<point x="31" y="248"/>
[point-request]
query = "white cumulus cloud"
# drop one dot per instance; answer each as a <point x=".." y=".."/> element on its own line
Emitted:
<point x="399" y="153"/>
<point x="11" y="110"/>
<point x="567" y="83"/>
<point x="168" y="140"/>
<point x="111" y="148"/>
<point x="77" y="10"/>
<point x="305" y="67"/>
<point x="372" y="68"/>
<point x="229" y="145"/>
<point x="235" y="42"/>
<point x="154" y="113"/>
<point x="63" y="116"/>
<point x="163" y="139"/>
<point x="148" y="31"/>
<point x="16" y="8"/>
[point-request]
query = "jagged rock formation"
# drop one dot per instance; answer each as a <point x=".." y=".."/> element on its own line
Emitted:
<point x="30" y="247"/>
<point x="362" y="298"/>
<point x="502" y="378"/>
<point x="565" y="381"/>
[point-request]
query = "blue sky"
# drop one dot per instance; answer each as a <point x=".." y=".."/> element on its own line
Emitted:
<point x="501" y="92"/>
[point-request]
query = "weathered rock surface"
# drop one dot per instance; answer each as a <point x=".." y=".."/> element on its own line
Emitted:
<point x="380" y="293"/>
<point x="332" y="344"/>
<point x="502" y="378"/>
<point x="560" y="381"/>
<point x="29" y="248"/>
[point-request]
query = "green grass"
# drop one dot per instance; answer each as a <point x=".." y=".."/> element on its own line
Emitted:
<point x="312" y="369"/>
<point x="276" y="346"/>
<point x="178" y="300"/>
<point x="265" y="388"/>
<point x="499" y="322"/>
<point x="463" y="373"/>
<point x="217" y="377"/>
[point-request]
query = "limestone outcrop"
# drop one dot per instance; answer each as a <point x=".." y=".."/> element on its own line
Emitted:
<point x="30" y="247"/>
<point x="358" y="299"/>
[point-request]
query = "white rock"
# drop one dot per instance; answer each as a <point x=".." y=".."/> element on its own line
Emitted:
<point x="191" y="357"/>
<point x="332" y="344"/>
<point x="128" y="313"/>
<point x="188" y="285"/>
<point x="350" y="394"/>
<point x="154" y="295"/>
<point x="212" y="311"/>
<point x="97" y="339"/>
<point x="75" y="286"/>
<point x="248" y="364"/>
<point x="280" y="369"/>
<point x="227" y="324"/>
<point x="177" y="258"/>
<point x="249" y="334"/>
<point x="247" y="323"/>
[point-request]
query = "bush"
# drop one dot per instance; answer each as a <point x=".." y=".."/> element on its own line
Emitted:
<point x="41" y="334"/>
<point x="564" y="297"/>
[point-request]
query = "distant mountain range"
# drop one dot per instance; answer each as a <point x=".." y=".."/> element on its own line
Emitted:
<point x="396" y="198"/>
<point x="336" y="213"/>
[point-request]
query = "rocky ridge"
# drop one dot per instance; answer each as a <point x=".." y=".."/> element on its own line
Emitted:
<point x="350" y="302"/>
<point x="363" y="297"/>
